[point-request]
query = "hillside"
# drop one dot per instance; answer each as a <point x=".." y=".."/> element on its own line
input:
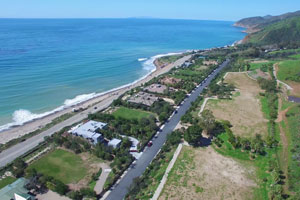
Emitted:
<point x="285" y="32"/>
<point x="259" y="22"/>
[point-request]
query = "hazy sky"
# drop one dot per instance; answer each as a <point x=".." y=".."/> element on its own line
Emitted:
<point x="181" y="9"/>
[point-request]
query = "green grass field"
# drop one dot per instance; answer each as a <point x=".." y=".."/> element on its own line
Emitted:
<point x="62" y="165"/>
<point x="128" y="113"/>
<point x="170" y="59"/>
<point x="293" y="132"/>
<point x="255" y="66"/>
<point x="6" y="181"/>
<point x="289" y="70"/>
<point x="285" y="51"/>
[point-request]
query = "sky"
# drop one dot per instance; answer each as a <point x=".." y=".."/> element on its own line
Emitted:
<point x="230" y="10"/>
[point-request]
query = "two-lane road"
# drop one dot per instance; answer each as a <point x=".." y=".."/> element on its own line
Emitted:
<point x="121" y="189"/>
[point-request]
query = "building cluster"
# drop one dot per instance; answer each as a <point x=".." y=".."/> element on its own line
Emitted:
<point x="186" y="64"/>
<point x="210" y="62"/>
<point x="143" y="98"/>
<point x="91" y="131"/>
<point x="156" y="88"/>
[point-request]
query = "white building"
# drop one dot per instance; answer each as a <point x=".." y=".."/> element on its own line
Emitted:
<point x="115" y="143"/>
<point x="88" y="131"/>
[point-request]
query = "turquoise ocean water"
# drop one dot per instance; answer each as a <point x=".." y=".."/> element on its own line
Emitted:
<point x="49" y="64"/>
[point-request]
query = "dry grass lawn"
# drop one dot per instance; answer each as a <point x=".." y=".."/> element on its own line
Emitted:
<point x="202" y="173"/>
<point x="244" y="110"/>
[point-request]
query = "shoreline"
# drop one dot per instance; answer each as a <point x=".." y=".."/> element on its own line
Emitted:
<point x="18" y="131"/>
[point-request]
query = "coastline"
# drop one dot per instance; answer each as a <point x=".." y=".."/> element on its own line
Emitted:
<point x="98" y="100"/>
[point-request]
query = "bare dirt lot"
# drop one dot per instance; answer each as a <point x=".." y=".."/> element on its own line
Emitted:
<point x="202" y="173"/>
<point x="296" y="88"/>
<point x="244" y="111"/>
<point x="93" y="165"/>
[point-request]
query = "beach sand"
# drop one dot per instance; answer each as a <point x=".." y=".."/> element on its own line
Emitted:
<point x="101" y="102"/>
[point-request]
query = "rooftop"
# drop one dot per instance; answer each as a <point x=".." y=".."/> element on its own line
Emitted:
<point x="16" y="188"/>
<point x="143" y="98"/>
<point x="114" y="142"/>
<point x="88" y="129"/>
<point x="156" y="88"/>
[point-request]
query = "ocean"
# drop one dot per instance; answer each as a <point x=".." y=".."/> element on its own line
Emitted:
<point x="49" y="64"/>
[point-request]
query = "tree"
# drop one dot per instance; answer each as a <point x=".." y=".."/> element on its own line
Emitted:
<point x="193" y="135"/>
<point x="18" y="167"/>
<point x="163" y="116"/>
<point x="126" y="143"/>
<point x="207" y="122"/>
<point x="174" y="138"/>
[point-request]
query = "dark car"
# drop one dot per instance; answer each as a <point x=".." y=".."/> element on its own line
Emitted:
<point x="150" y="143"/>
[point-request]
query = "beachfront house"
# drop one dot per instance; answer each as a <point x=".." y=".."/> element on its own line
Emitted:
<point x="186" y="64"/>
<point x="156" y="88"/>
<point x="16" y="191"/>
<point x="115" y="143"/>
<point x="143" y="98"/>
<point x="88" y="131"/>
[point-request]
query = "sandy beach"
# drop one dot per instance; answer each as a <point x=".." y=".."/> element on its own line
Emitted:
<point x="100" y="103"/>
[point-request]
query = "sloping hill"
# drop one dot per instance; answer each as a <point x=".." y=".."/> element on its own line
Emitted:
<point x="285" y="32"/>
<point x="260" y="22"/>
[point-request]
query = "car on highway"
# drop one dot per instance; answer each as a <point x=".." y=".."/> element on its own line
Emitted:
<point x="150" y="143"/>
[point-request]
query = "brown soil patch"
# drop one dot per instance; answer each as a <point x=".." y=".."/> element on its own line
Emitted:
<point x="203" y="67"/>
<point x="93" y="165"/>
<point x="243" y="111"/>
<point x="296" y="88"/>
<point x="203" y="173"/>
<point x="260" y="74"/>
<point x="259" y="61"/>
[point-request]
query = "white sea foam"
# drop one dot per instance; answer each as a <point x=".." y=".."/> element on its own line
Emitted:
<point x="79" y="99"/>
<point x="142" y="59"/>
<point x="20" y="117"/>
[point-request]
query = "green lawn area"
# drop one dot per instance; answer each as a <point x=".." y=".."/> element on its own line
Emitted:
<point x="128" y="113"/>
<point x="254" y="66"/>
<point x="293" y="132"/>
<point x="6" y="181"/>
<point x="170" y="59"/>
<point x="156" y="174"/>
<point x="62" y="165"/>
<point x="285" y="51"/>
<point x="289" y="70"/>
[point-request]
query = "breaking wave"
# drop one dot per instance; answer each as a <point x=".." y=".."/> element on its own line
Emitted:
<point x="22" y="116"/>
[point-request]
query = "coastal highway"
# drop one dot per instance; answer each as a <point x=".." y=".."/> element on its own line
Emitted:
<point x="120" y="189"/>
<point x="21" y="148"/>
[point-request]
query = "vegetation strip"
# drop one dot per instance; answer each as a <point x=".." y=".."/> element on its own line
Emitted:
<point x="164" y="179"/>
